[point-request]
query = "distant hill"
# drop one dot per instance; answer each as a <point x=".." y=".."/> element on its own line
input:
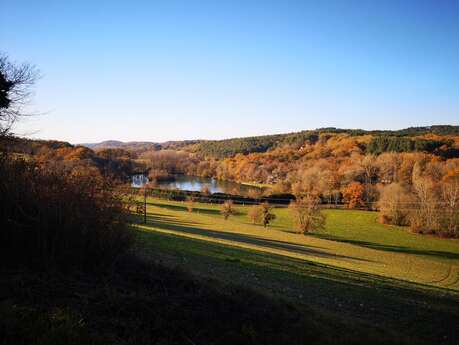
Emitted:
<point x="116" y="144"/>
<point x="399" y="139"/>
<point x="140" y="145"/>
<point x="390" y="140"/>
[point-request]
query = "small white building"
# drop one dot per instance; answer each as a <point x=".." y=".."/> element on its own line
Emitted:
<point x="139" y="180"/>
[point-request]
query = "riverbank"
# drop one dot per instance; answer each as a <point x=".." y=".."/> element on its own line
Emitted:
<point x="258" y="185"/>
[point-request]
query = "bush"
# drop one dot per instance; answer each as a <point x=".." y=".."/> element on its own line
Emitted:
<point x="53" y="219"/>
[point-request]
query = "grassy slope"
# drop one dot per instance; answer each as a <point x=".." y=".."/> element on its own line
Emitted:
<point x="352" y="240"/>
<point x="142" y="303"/>
<point x="355" y="267"/>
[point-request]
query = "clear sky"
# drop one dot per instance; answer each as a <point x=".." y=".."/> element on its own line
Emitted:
<point x="166" y="70"/>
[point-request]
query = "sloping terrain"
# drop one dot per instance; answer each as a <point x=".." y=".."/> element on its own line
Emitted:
<point x="352" y="268"/>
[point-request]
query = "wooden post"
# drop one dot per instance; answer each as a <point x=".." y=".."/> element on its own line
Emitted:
<point x="145" y="205"/>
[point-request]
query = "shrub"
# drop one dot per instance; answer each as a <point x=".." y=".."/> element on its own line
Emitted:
<point x="58" y="219"/>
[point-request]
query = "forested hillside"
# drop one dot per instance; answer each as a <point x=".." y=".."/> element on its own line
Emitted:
<point x="404" y="140"/>
<point x="398" y="172"/>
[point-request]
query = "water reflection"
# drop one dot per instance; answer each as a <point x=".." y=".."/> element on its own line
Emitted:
<point x="195" y="183"/>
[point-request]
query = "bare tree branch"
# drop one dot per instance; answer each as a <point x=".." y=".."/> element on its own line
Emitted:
<point x="16" y="81"/>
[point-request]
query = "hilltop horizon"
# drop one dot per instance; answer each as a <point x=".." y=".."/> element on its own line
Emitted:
<point x="112" y="143"/>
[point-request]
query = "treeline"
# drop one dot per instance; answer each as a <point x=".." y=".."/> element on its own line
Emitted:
<point x="405" y="140"/>
<point x="410" y="131"/>
<point x="116" y="163"/>
<point x="338" y="169"/>
<point x="380" y="144"/>
<point x="231" y="147"/>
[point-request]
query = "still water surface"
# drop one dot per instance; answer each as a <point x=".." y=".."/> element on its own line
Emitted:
<point x="196" y="183"/>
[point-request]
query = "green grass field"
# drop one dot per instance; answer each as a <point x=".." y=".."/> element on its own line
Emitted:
<point x="352" y="240"/>
<point x="355" y="268"/>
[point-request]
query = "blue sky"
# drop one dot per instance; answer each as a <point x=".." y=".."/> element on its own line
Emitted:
<point x="167" y="70"/>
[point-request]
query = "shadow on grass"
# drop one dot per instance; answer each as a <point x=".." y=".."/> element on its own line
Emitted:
<point x="390" y="248"/>
<point x="188" y="227"/>
<point x="395" y="304"/>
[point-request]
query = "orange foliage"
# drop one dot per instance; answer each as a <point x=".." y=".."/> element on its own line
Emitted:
<point x="353" y="195"/>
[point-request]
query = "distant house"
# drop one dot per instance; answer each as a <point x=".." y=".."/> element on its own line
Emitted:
<point x="139" y="180"/>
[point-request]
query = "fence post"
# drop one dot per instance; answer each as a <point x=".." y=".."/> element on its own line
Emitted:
<point x="145" y="205"/>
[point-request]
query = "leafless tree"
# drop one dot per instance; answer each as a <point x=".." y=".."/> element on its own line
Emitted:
<point x="426" y="215"/>
<point x="255" y="214"/>
<point x="388" y="165"/>
<point x="16" y="81"/>
<point x="395" y="204"/>
<point x="307" y="214"/>
<point x="262" y="214"/>
<point x="227" y="209"/>
<point x="190" y="204"/>
<point x="450" y="197"/>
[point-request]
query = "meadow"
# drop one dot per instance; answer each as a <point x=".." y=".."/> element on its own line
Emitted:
<point x="355" y="267"/>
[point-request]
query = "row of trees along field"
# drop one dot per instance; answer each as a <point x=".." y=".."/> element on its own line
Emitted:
<point x="305" y="212"/>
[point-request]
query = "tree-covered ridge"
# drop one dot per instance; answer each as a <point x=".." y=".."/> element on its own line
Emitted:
<point x="384" y="143"/>
<point x="404" y="140"/>
<point x="231" y="147"/>
<point x="410" y="131"/>
<point x="115" y="163"/>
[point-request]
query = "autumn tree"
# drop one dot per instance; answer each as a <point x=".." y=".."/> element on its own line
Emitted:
<point x="190" y="204"/>
<point x="227" y="209"/>
<point x="262" y="214"/>
<point x="336" y="195"/>
<point x="388" y="165"/>
<point x="353" y="195"/>
<point x="255" y="214"/>
<point x="205" y="189"/>
<point x="450" y="199"/>
<point x="266" y="215"/>
<point x="307" y="214"/>
<point x="424" y="217"/>
<point x="395" y="204"/>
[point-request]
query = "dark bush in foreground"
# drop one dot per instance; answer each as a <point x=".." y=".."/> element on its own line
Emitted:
<point x="55" y="219"/>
